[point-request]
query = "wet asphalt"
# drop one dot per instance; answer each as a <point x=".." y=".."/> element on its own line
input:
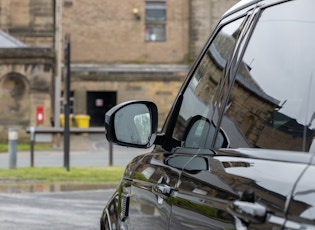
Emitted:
<point x="80" y="210"/>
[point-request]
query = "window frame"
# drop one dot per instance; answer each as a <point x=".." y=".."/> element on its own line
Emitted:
<point x="153" y="27"/>
<point x="171" y="122"/>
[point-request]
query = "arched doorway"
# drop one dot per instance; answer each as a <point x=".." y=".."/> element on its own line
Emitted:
<point x="15" y="105"/>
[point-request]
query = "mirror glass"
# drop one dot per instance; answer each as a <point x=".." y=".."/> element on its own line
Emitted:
<point x="133" y="124"/>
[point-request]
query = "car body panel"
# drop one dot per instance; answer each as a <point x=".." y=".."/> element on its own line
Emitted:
<point x="206" y="194"/>
<point x="146" y="196"/>
<point x="303" y="216"/>
<point x="150" y="185"/>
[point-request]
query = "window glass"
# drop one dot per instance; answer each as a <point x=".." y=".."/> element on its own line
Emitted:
<point x="272" y="103"/>
<point x="155" y="16"/>
<point x="194" y="126"/>
<point x="155" y="33"/>
<point x="155" y="11"/>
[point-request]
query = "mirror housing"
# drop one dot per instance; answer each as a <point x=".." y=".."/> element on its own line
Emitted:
<point x="132" y="124"/>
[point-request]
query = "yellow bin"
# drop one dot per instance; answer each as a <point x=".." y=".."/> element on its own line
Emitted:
<point x="82" y="121"/>
<point x="62" y="120"/>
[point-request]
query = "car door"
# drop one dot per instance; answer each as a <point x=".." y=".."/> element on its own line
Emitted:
<point x="237" y="190"/>
<point x="195" y="129"/>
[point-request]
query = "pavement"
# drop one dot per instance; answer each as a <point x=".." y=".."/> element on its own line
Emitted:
<point x="90" y="150"/>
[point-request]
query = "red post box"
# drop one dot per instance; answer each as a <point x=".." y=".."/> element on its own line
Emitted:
<point x="39" y="114"/>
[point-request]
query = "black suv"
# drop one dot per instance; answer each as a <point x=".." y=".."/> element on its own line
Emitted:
<point x="237" y="148"/>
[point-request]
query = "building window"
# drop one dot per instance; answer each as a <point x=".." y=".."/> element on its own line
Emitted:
<point x="68" y="3"/>
<point x="155" y="21"/>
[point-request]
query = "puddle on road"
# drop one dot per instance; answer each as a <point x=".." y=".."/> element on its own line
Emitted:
<point x="30" y="188"/>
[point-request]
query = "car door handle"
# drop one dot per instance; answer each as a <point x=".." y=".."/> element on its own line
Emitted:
<point x="248" y="211"/>
<point x="163" y="189"/>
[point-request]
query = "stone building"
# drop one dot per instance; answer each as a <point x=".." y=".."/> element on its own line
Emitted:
<point x="136" y="50"/>
<point x="119" y="51"/>
<point x="30" y="21"/>
<point x="26" y="76"/>
<point x="27" y="61"/>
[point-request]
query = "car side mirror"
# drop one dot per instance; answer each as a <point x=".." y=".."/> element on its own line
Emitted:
<point x="132" y="124"/>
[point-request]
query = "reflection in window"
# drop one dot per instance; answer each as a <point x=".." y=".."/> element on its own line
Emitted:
<point x="133" y="124"/>
<point x="155" y="19"/>
<point x="143" y="125"/>
<point x="272" y="102"/>
<point x="194" y="123"/>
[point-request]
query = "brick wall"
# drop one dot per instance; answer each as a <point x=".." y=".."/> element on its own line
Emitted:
<point x="107" y="32"/>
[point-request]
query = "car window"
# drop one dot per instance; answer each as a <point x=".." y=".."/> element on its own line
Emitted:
<point x="194" y="127"/>
<point x="272" y="102"/>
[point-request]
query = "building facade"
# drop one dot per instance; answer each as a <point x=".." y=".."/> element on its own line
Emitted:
<point x="27" y="64"/>
<point x="120" y="50"/>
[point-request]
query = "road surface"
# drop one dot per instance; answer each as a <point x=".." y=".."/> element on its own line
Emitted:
<point x="50" y="211"/>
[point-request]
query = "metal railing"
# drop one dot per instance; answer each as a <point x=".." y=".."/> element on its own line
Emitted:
<point x="52" y="130"/>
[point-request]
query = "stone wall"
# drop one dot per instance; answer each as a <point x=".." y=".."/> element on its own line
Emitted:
<point x="26" y="80"/>
<point x="159" y="87"/>
<point x="30" y="21"/>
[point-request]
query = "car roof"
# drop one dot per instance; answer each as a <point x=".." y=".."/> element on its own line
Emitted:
<point x="240" y="5"/>
<point x="247" y="3"/>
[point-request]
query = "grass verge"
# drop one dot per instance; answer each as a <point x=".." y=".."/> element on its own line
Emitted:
<point x="23" y="147"/>
<point x="76" y="175"/>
